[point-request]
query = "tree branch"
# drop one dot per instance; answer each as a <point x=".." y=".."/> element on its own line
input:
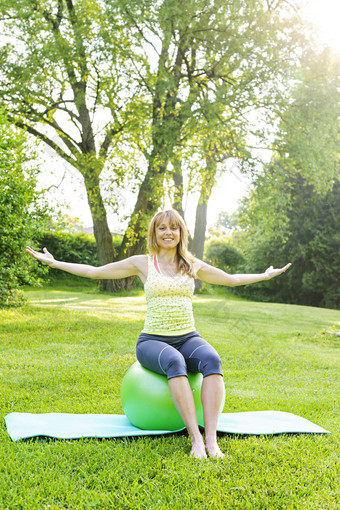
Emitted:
<point x="47" y="140"/>
<point x="55" y="22"/>
<point x="56" y="106"/>
<point x="72" y="145"/>
<point x="111" y="133"/>
<point x="141" y="31"/>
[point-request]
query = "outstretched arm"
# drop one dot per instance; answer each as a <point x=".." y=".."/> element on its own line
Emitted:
<point x="210" y="274"/>
<point x="122" y="269"/>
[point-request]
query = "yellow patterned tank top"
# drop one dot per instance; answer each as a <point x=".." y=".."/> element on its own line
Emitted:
<point x="169" y="302"/>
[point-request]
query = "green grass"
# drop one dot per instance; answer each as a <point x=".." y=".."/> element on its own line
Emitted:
<point x="68" y="350"/>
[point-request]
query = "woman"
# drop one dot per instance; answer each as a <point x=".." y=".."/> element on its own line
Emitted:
<point x="169" y="343"/>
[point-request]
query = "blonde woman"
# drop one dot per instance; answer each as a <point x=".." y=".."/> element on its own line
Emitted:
<point x="169" y="343"/>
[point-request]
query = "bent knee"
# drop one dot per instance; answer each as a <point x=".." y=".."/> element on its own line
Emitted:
<point x="173" y="364"/>
<point x="210" y="364"/>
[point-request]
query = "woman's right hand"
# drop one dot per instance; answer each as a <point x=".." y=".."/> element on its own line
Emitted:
<point x="46" y="257"/>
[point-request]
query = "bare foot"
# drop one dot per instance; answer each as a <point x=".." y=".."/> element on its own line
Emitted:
<point x="198" y="453"/>
<point x="213" y="449"/>
<point x="198" y="450"/>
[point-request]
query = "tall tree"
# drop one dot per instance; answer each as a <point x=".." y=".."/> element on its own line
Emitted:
<point x="83" y="71"/>
<point x="228" y="51"/>
<point x="64" y="80"/>
<point x="293" y="211"/>
<point x="221" y="135"/>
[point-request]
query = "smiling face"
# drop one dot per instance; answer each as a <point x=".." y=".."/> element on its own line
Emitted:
<point x="168" y="233"/>
<point x="167" y="230"/>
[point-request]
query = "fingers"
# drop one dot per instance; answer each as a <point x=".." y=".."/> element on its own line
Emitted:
<point x="271" y="272"/>
<point x="34" y="253"/>
<point x="31" y="251"/>
<point x="282" y="268"/>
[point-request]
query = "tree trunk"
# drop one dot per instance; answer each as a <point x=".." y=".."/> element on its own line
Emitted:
<point x="177" y="204"/>
<point x="178" y="181"/>
<point x="197" y="244"/>
<point x="166" y="128"/>
<point x="148" y="201"/>
<point x="101" y="229"/>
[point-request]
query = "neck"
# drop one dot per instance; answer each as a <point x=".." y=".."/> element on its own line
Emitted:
<point x="169" y="256"/>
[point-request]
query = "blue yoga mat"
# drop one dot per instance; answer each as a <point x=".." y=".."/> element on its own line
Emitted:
<point x="76" y="426"/>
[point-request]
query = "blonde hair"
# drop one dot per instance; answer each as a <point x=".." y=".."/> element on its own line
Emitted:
<point x="185" y="260"/>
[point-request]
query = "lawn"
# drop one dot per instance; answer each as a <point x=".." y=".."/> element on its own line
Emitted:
<point x="67" y="351"/>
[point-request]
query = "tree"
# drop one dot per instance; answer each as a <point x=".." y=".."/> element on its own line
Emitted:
<point x="312" y="244"/>
<point x="219" y="142"/>
<point x="306" y="145"/>
<point x="81" y="78"/>
<point x="292" y="214"/>
<point x="212" y="62"/>
<point x="64" y="79"/>
<point x="19" y="212"/>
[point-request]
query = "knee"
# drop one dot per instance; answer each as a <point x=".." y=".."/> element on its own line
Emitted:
<point x="173" y="364"/>
<point x="211" y="364"/>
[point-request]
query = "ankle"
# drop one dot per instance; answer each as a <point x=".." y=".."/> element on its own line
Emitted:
<point x="211" y="438"/>
<point x="196" y="439"/>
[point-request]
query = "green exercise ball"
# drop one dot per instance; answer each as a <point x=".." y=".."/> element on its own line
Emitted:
<point x="147" y="401"/>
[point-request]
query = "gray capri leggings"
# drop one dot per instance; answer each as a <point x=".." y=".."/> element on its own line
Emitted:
<point x="176" y="355"/>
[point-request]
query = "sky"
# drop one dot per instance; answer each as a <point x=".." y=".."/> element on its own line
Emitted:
<point x="67" y="190"/>
<point x="325" y="16"/>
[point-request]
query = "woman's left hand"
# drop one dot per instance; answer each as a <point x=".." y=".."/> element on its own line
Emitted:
<point x="271" y="272"/>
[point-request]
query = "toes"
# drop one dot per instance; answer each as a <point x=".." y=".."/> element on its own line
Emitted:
<point x="194" y="454"/>
<point x="214" y="451"/>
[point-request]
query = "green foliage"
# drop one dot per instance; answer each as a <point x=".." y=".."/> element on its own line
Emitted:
<point x="220" y="253"/>
<point x="309" y="132"/>
<point x="227" y="221"/>
<point x="310" y="240"/>
<point x="215" y="64"/>
<point x="66" y="79"/>
<point x="68" y="352"/>
<point x="116" y="86"/>
<point x="19" y="212"/>
<point x="306" y="144"/>
<point x="292" y="213"/>
<point x="314" y="246"/>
